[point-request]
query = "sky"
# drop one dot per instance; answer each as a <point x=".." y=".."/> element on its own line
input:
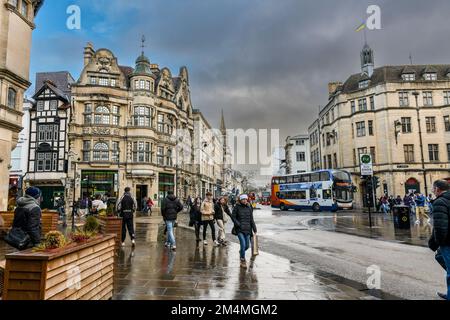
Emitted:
<point x="266" y="63"/>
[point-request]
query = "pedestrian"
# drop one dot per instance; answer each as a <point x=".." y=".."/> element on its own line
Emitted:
<point x="385" y="204"/>
<point x="126" y="206"/>
<point x="244" y="226"/>
<point x="420" y="201"/>
<point x="150" y="205"/>
<point x="391" y="202"/>
<point x="440" y="238"/>
<point x="233" y="201"/>
<point x="98" y="204"/>
<point x="85" y="205"/>
<point x="221" y="212"/>
<point x="207" y="211"/>
<point x="144" y="205"/>
<point x="170" y="207"/>
<point x="27" y="218"/>
<point x="398" y="201"/>
<point x="196" y="218"/>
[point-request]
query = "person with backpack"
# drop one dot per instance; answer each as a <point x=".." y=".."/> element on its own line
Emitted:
<point x="26" y="227"/>
<point x="170" y="207"/>
<point x="126" y="206"/>
<point x="440" y="238"/>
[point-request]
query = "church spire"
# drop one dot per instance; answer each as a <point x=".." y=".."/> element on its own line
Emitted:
<point x="367" y="60"/>
<point x="222" y="124"/>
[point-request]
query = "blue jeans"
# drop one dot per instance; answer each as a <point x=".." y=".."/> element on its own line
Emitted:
<point x="170" y="234"/>
<point x="244" y="240"/>
<point x="443" y="257"/>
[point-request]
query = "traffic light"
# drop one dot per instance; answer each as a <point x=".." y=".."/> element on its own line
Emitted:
<point x="376" y="182"/>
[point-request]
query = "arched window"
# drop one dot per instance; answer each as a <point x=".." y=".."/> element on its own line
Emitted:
<point x="102" y="115"/>
<point x="101" y="151"/>
<point x="12" y="97"/>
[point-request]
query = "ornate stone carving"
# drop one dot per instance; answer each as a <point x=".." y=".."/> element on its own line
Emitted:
<point x="101" y="131"/>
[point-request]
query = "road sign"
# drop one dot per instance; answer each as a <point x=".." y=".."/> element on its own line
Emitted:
<point x="366" y="164"/>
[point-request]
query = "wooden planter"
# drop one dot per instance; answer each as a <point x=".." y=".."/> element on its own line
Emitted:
<point x="78" y="272"/>
<point x="111" y="225"/>
<point x="49" y="221"/>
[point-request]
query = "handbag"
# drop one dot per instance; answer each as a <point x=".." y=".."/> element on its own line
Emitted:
<point x="234" y="231"/>
<point x="18" y="239"/>
<point x="255" y="246"/>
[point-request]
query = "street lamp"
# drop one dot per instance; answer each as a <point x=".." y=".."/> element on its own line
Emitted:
<point x="416" y="95"/>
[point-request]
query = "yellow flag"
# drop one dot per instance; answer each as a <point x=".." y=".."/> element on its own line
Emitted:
<point x="361" y="27"/>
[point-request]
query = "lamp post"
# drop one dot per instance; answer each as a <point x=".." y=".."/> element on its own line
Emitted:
<point x="416" y="95"/>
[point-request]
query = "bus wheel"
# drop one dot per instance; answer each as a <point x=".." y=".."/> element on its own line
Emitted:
<point x="316" y="207"/>
<point x="282" y="207"/>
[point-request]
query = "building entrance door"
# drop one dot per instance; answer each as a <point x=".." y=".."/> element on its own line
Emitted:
<point x="141" y="193"/>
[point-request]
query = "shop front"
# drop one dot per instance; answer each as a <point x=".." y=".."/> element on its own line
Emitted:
<point x="166" y="183"/>
<point x="103" y="182"/>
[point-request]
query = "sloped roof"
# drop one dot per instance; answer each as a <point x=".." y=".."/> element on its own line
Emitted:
<point x="61" y="79"/>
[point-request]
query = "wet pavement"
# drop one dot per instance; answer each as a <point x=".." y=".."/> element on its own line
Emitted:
<point x="151" y="271"/>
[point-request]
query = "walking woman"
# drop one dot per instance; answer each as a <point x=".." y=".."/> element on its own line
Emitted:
<point x="244" y="225"/>
<point x="207" y="211"/>
<point x="221" y="211"/>
<point x="196" y="218"/>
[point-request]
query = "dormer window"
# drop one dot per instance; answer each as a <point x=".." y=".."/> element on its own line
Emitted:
<point x="431" y="76"/>
<point x="408" y="77"/>
<point x="363" y="84"/>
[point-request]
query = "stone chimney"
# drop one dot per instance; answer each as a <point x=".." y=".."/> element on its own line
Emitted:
<point x="332" y="86"/>
<point x="88" y="53"/>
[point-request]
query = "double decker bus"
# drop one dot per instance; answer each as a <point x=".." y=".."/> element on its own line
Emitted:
<point x="313" y="191"/>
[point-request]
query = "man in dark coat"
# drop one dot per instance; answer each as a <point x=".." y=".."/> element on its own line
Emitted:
<point x="27" y="215"/>
<point x="126" y="206"/>
<point x="170" y="207"/>
<point x="440" y="238"/>
<point x="244" y="225"/>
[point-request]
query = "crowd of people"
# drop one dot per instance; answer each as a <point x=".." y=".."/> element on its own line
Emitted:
<point x="421" y="206"/>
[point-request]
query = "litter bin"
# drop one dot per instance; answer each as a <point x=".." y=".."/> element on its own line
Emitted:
<point x="402" y="218"/>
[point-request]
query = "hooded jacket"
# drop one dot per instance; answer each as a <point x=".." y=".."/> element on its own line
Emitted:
<point x="27" y="217"/>
<point x="170" y="207"/>
<point x="441" y="218"/>
<point x="242" y="217"/>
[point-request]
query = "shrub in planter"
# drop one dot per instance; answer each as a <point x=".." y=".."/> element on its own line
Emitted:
<point x="52" y="240"/>
<point x="82" y="236"/>
<point x="91" y="224"/>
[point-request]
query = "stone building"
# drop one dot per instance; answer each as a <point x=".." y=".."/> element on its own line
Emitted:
<point x="297" y="154"/>
<point x="399" y="114"/>
<point x="16" y="26"/>
<point x="132" y="127"/>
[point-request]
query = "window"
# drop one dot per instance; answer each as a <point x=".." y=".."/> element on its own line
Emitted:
<point x="113" y="82"/>
<point x="101" y="151"/>
<point x="332" y="114"/>
<point x="160" y="156"/>
<point x="102" y="115"/>
<point x="300" y="142"/>
<point x="361" y="129"/>
<point x="169" y="158"/>
<point x="363" y="84"/>
<point x="370" y="127"/>
<point x="362" y="104"/>
<point x="448" y="151"/>
<point x="428" y="98"/>
<point x="372" y="103"/>
<point x="103" y="81"/>
<point x="335" y="161"/>
<point x="430" y="76"/>
<point x="433" y="152"/>
<point x="115" y="151"/>
<point x="12" y="97"/>
<point x="40" y="106"/>
<point x="115" y="115"/>
<point x="408" y="77"/>
<point x="24" y="9"/>
<point x="373" y="154"/>
<point x="352" y="103"/>
<point x="46" y="162"/>
<point x="353" y="130"/>
<point x="48" y="132"/>
<point x="147" y="85"/>
<point x="408" y="150"/>
<point x="141" y="151"/>
<point x="143" y="116"/>
<point x="301" y="157"/>
<point x="431" y="124"/>
<point x="53" y="104"/>
<point x="447" y="123"/>
<point x="446" y="97"/>
<point x="160" y="122"/>
<point x="93" y="80"/>
<point x="406" y="125"/>
<point x="403" y="98"/>
<point x="87" y="150"/>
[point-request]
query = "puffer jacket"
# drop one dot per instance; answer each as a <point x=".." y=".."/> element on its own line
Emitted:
<point x="170" y="207"/>
<point x="207" y="210"/>
<point x="441" y="219"/>
<point x="219" y="210"/>
<point x="27" y="217"/>
<point x="242" y="217"/>
<point x="195" y="215"/>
